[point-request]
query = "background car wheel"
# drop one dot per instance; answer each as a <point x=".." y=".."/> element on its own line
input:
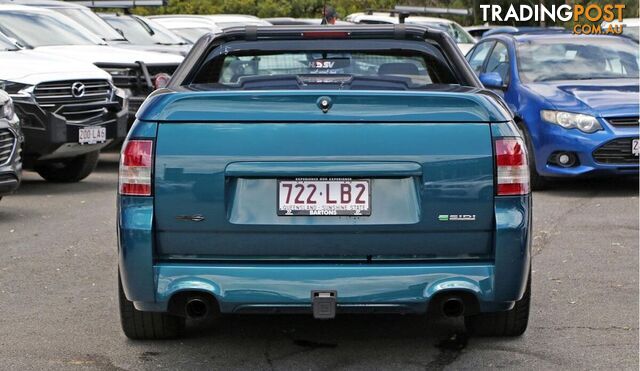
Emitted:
<point x="537" y="181"/>
<point x="509" y="323"/>
<point x="139" y="325"/>
<point x="68" y="170"/>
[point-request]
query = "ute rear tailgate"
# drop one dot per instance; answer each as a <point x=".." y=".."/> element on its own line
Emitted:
<point x="427" y="157"/>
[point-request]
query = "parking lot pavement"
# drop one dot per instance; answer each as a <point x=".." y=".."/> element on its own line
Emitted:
<point x="58" y="305"/>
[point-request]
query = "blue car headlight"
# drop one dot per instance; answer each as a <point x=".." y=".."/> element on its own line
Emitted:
<point x="568" y="120"/>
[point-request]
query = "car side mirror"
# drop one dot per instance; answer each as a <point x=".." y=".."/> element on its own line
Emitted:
<point x="492" y="80"/>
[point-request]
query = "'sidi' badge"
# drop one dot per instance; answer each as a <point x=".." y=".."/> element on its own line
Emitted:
<point x="457" y="218"/>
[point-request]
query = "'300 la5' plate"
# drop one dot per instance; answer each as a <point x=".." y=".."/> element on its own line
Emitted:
<point x="324" y="196"/>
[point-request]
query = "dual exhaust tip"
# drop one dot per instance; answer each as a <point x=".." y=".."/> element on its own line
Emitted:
<point x="452" y="307"/>
<point x="199" y="308"/>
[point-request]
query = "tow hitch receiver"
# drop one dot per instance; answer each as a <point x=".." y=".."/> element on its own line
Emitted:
<point x="324" y="304"/>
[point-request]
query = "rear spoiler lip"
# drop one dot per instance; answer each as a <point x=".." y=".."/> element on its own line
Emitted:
<point x="166" y="105"/>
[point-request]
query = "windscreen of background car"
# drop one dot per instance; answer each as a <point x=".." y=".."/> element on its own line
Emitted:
<point x="632" y="32"/>
<point x="139" y="33"/>
<point x="92" y="22"/>
<point x="577" y="58"/>
<point x="415" y="68"/>
<point x="191" y="34"/>
<point x="163" y="32"/>
<point x="457" y="33"/>
<point x="6" y="45"/>
<point x="34" y="30"/>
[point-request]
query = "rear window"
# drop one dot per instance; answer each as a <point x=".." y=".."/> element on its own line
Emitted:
<point x="325" y="63"/>
<point x="387" y="64"/>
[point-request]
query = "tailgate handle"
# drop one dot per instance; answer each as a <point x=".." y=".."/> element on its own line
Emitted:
<point x="302" y="169"/>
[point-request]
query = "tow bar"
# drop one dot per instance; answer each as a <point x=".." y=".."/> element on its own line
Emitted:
<point x="324" y="304"/>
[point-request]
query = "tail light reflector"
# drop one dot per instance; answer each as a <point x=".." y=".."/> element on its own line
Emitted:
<point x="135" y="168"/>
<point x="512" y="167"/>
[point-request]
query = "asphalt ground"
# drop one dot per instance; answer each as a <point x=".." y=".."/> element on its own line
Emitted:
<point x="58" y="306"/>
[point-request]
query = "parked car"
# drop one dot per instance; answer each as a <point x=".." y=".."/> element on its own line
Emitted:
<point x="81" y="15"/>
<point x="68" y="110"/>
<point x="462" y="37"/>
<point x="190" y="28"/>
<point x="524" y="30"/>
<point x="234" y="20"/>
<point x="284" y="21"/>
<point x="478" y="31"/>
<point x="10" y="144"/>
<point x="630" y="27"/>
<point x="575" y="99"/>
<point x="292" y="169"/>
<point x="147" y="33"/>
<point x="137" y="72"/>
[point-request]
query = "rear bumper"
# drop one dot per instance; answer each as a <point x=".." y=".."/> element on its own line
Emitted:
<point x="388" y="287"/>
<point x="287" y="287"/>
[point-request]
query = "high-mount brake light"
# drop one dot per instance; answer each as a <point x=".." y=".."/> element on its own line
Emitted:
<point x="326" y="35"/>
<point x="136" y="161"/>
<point x="512" y="167"/>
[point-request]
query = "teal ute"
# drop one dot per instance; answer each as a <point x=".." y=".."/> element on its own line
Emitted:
<point x="324" y="171"/>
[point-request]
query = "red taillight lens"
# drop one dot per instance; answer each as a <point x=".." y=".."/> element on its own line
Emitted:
<point x="135" y="168"/>
<point x="512" y="167"/>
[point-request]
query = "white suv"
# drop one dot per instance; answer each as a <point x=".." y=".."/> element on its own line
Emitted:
<point x="68" y="111"/>
<point x="50" y="32"/>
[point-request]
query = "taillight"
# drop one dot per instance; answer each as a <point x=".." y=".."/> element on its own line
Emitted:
<point x="135" y="168"/>
<point x="512" y="167"/>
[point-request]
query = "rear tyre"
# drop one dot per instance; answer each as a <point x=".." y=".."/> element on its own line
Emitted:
<point x="536" y="181"/>
<point x="509" y="323"/>
<point x="68" y="170"/>
<point x="139" y="325"/>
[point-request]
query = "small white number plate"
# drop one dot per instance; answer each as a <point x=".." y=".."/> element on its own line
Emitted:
<point x="635" y="147"/>
<point x="92" y="135"/>
<point x="324" y="196"/>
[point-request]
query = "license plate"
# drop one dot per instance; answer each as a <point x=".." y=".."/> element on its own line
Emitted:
<point x="92" y="135"/>
<point x="324" y="196"/>
<point x="635" y="147"/>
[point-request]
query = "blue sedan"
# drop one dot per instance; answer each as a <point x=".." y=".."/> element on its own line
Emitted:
<point x="575" y="99"/>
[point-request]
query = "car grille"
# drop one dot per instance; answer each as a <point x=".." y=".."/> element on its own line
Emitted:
<point x="132" y="77"/>
<point x="617" y="151"/>
<point x="623" y="121"/>
<point x="7" y="142"/>
<point x="54" y="96"/>
<point x="134" y="105"/>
